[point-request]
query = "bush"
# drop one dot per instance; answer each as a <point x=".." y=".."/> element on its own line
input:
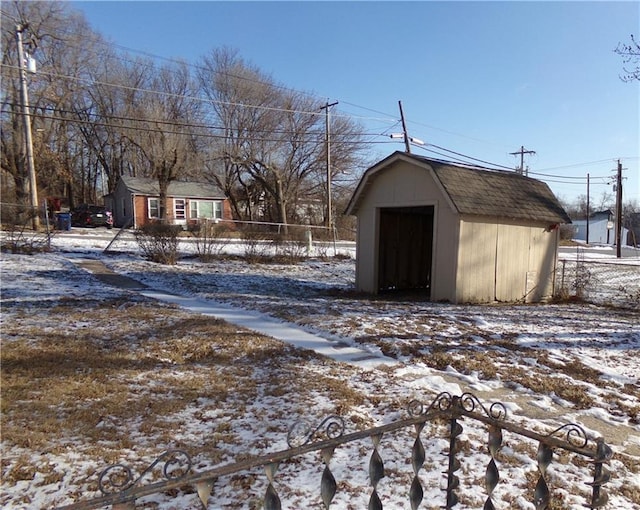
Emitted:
<point x="257" y="245"/>
<point x="292" y="247"/>
<point x="210" y="238"/>
<point x="159" y="242"/>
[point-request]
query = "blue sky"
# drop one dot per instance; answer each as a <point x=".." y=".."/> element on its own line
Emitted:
<point x="478" y="78"/>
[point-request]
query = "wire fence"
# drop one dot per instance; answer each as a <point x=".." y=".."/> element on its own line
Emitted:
<point x="611" y="283"/>
<point x="603" y="283"/>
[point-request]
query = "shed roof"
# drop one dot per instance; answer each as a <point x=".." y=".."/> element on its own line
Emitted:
<point x="182" y="189"/>
<point x="479" y="191"/>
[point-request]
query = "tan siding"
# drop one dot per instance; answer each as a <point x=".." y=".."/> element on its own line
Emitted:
<point x="477" y="262"/>
<point x="366" y="252"/>
<point x="445" y="253"/>
<point x="405" y="185"/>
<point x="512" y="262"/>
<point x="505" y="262"/>
<point x="475" y="258"/>
<point x="542" y="261"/>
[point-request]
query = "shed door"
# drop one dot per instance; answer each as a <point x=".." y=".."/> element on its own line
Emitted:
<point x="405" y="249"/>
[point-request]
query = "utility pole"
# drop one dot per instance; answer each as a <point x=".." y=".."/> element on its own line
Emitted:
<point x="407" y="146"/>
<point x="522" y="152"/>
<point x="588" y="212"/>
<point x="327" y="139"/>
<point x="619" y="211"/>
<point x="27" y="129"/>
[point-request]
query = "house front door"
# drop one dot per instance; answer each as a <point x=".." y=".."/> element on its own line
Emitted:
<point x="180" y="211"/>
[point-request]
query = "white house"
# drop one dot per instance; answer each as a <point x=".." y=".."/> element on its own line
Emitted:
<point x="602" y="229"/>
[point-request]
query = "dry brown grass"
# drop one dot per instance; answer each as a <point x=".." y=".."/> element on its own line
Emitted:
<point x="84" y="372"/>
<point x="66" y="385"/>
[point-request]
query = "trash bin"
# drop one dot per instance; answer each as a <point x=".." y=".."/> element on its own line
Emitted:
<point x="64" y="221"/>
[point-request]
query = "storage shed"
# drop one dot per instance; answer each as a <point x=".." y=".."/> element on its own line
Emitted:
<point x="455" y="233"/>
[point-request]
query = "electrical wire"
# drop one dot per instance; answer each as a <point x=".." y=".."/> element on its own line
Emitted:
<point x="584" y="178"/>
<point x="462" y="157"/>
<point x="387" y="117"/>
<point x="471" y="158"/>
<point x="100" y="116"/>
<point x="167" y="94"/>
<point x="196" y="135"/>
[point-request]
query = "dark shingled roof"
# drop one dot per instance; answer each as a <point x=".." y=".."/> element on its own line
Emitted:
<point x="181" y="189"/>
<point x="497" y="193"/>
<point x="483" y="192"/>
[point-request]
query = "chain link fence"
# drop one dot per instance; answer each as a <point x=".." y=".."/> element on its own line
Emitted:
<point x="25" y="229"/>
<point x="605" y="283"/>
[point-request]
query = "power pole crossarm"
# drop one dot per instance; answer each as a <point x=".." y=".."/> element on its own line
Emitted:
<point x="522" y="152"/>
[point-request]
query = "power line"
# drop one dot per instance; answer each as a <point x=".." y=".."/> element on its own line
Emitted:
<point x="467" y="157"/>
<point x="168" y="94"/>
<point x="182" y="133"/>
<point x="387" y="117"/>
<point x="573" y="183"/>
<point x="580" y="164"/>
<point x="243" y="105"/>
<point x="566" y="176"/>
<point x="251" y="106"/>
<point x="222" y="73"/>
<point x="94" y="82"/>
<point x="174" y="123"/>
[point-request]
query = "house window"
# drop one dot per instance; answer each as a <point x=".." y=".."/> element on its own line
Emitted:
<point x="210" y="209"/>
<point x="153" y="207"/>
<point x="179" y="207"/>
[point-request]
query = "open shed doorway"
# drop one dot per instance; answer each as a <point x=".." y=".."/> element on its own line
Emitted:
<point x="405" y="249"/>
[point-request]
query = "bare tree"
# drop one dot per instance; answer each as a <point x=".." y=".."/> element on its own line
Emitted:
<point x="162" y="126"/>
<point x="229" y="84"/>
<point x="272" y="140"/>
<point x="100" y="114"/>
<point x="40" y="23"/>
<point x="64" y="47"/>
<point x="116" y="86"/>
<point x="577" y="210"/>
<point x="630" y="53"/>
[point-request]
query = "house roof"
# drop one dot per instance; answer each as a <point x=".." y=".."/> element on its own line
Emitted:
<point x="149" y="187"/>
<point x="479" y="191"/>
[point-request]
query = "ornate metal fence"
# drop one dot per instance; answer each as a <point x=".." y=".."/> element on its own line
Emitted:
<point x="121" y="489"/>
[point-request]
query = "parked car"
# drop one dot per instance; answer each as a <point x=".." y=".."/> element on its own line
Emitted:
<point x="87" y="215"/>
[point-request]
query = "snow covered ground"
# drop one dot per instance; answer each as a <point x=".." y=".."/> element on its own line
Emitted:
<point x="549" y="365"/>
